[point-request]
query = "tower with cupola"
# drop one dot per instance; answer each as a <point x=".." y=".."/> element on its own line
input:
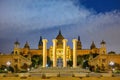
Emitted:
<point x="16" y="47"/>
<point x="103" y="49"/>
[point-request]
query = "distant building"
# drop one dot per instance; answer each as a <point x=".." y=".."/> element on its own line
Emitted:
<point x="59" y="53"/>
<point x="106" y="61"/>
<point x="60" y="50"/>
<point x="17" y="62"/>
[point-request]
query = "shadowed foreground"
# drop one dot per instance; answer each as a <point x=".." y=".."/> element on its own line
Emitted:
<point x="60" y="78"/>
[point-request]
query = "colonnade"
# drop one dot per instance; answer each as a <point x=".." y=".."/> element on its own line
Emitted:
<point x="44" y="52"/>
<point x="54" y="52"/>
<point x="64" y="52"/>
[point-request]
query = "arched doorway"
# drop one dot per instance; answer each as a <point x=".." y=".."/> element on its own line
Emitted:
<point x="59" y="62"/>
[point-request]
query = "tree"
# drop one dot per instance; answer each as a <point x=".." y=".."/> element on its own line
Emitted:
<point x="79" y="60"/>
<point x="70" y="63"/>
<point x="2" y="68"/>
<point x="111" y="52"/>
<point x="36" y="60"/>
<point x="85" y="64"/>
<point x="49" y="62"/>
<point x="10" y="68"/>
<point x="40" y="61"/>
<point x="84" y="59"/>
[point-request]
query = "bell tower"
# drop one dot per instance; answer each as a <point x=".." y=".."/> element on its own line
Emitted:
<point x="16" y="47"/>
<point x="103" y="49"/>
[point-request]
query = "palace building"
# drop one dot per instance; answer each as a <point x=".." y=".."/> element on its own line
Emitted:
<point x="60" y="53"/>
<point x="60" y="50"/>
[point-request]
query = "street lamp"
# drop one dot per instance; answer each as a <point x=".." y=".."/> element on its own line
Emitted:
<point x="28" y="69"/>
<point x="112" y="65"/>
<point x="8" y="63"/>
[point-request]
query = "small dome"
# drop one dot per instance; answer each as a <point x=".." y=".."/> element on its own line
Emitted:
<point x="16" y="42"/>
<point x="103" y="42"/>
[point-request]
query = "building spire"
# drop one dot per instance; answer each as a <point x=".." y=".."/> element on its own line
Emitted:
<point x="40" y="41"/>
<point x="79" y="45"/>
<point x="59" y="36"/>
<point x="40" y="44"/>
<point x="78" y="38"/>
<point x="92" y="45"/>
<point x="59" y="32"/>
<point x="26" y="45"/>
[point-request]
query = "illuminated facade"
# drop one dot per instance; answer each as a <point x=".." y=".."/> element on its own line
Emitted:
<point x="59" y="50"/>
<point x="18" y="62"/>
<point x="106" y="61"/>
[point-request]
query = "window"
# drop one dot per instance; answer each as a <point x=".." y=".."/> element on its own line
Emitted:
<point x="15" y="52"/>
<point x="103" y="60"/>
<point x="15" y="60"/>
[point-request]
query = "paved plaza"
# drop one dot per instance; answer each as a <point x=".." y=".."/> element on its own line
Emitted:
<point x="59" y="74"/>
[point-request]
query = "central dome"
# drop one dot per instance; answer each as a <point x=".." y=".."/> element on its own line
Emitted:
<point x="59" y="38"/>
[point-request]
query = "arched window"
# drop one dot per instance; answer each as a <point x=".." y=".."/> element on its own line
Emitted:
<point x="16" y="52"/>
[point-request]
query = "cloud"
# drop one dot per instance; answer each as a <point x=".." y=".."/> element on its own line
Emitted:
<point x="39" y="14"/>
<point x="100" y="26"/>
<point x="28" y="19"/>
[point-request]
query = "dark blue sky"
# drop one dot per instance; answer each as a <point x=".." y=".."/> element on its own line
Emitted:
<point x="27" y="20"/>
<point x="101" y="5"/>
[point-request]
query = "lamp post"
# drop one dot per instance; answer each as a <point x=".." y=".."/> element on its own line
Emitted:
<point x="112" y="65"/>
<point x="8" y="65"/>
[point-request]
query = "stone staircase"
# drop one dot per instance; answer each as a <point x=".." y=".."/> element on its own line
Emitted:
<point x="59" y="70"/>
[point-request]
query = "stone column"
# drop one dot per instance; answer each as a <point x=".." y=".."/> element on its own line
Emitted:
<point x="44" y="52"/>
<point x="64" y="52"/>
<point x="54" y="52"/>
<point x="74" y="53"/>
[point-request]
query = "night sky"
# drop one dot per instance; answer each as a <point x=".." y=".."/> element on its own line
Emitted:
<point x="27" y="20"/>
